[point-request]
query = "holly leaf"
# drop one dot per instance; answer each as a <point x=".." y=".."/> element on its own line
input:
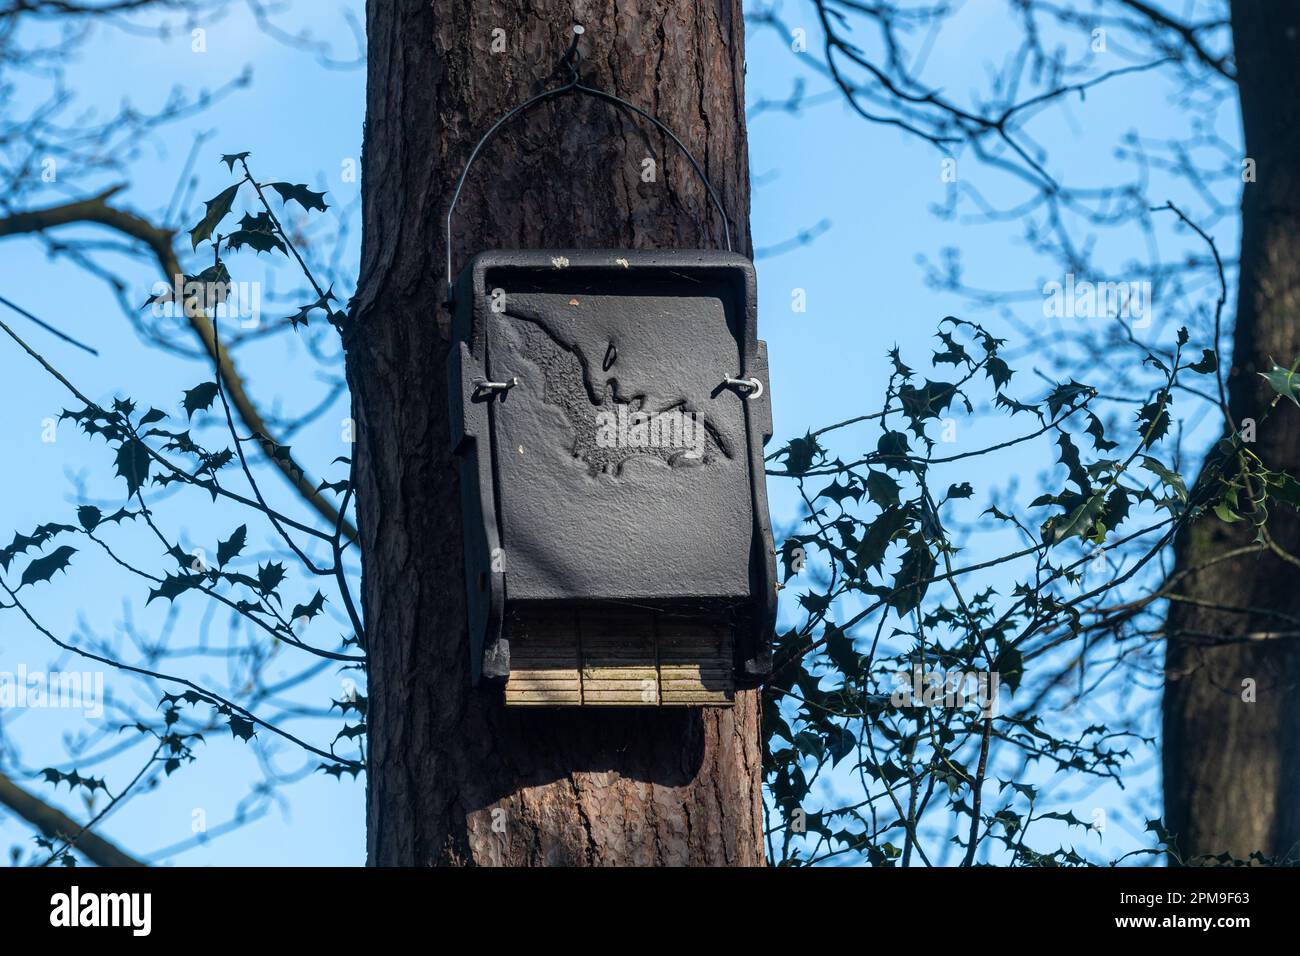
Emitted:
<point x="1098" y="432"/>
<point x="42" y="569"/>
<point x="174" y="585"/>
<point x="200" y="398"/>
<point x="1168" y="477"/>
<point x="1066" y="395"/>
<point x="241" y="727"/>
<point x="998" y="371"/>
<point x="1283" y="381"/>
<point x="302" y="315"/>
<point x="882" y="489"/>
<point x="840" y="743"/>
<point x="258" y="232"/>
<point x="132" y="462"/>
<point x="269" y="576"/>
<point x="1153" y="420"/>
<point x="232" y="546"/>
<point x="217" y="208"/>
<point x="913" y="577"/>
<point x="800" y="454"/>
<point x="308" y="610"/>
<point x="300" y="194"/>
<point x="1208" y="363"/>
<point x="838" y="492"/>
<point x="231" y="158"/>
<point x="927" y="402"/>
<point x="1078" y="520"/>
<point x="350" y="732"/>
<point x="1010" y="667"/>
<point x="89" y="516"/>
<point x="893" y="450"/>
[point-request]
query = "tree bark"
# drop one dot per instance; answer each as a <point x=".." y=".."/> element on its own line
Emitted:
<point x="454" y="778"/>
<point x="1232" y="766"/>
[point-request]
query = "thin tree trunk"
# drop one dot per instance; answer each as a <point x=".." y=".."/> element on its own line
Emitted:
<point x="454" y="778"/>
<point x="1232" y="766"/>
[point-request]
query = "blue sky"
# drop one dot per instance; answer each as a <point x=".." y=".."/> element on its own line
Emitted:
<point x="874" y="186"/>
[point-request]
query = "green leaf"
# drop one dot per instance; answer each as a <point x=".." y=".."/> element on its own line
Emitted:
<point x="1208" y="363"/>
<point x="1113" y="515"/>
<point x="217" y="208"/>
<point x="258" y="232"/>
<point x="1067" y="395"/>
<point x="841" y="742"/>
<point x="793" y="556"/>
<point x="839" y="648"/>
<point x="998" y="371"/>
<point x="893" y="450"/>
<point x="1015" y="407"/>
<point x="1286" y="489"/>
<point x="89" y="516"/>
<point x="1153" y="420"/>
<point x="881" y="532"/>
<point x="882" y="489"/>
<point x="200" y="398"/>
<point x="800" y="454"/>
<point x="953" y="354"/>
<point x="1098" y="433"/>
<point x="810" y="743"/>
<point x="308" y="610"/>
<point x="963" y="490"/>
<point x="1077" y="521"/>
<point x="1225" y="513"/>
<point x="304" y="313"/>
<point x="269" y="576"/>
<point x="174" y="585"/>
<point x="232" y="546"/>
<point x="838" y="492"/>
<point x="42" y="569"/>
<point x="927" y="402"/>
<point x="1171" y="479"/>
<point x="912" y="580"/>
<point x="1070" y="459"/>
<point x="231" y="158"/>
<point x="132" y="462"/>
<point x="241" y="727"/>
<point x="1010" y="667"/>
<point x="300" y="194"/>
<point x="1283" y="381"/>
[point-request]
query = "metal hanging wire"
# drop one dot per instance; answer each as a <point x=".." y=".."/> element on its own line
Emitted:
<point x="573" y="58"/>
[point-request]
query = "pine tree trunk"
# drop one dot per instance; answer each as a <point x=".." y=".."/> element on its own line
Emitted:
<point x="453" y="777"/>
<point x="1232" y="766"/>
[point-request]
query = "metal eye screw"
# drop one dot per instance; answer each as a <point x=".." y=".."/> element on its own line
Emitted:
<point x="751" y="387"/>
<point x="482" y="387"/>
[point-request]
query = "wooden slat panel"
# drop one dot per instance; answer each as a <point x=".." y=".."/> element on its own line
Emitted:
<point x="545" y="666"/>
<point x="695" y="662"/>
<point x="618" y="658"/>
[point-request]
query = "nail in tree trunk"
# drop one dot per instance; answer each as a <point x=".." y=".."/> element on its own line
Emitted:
<point x="1232" y="705"/>
<point x="453" y="777"/>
